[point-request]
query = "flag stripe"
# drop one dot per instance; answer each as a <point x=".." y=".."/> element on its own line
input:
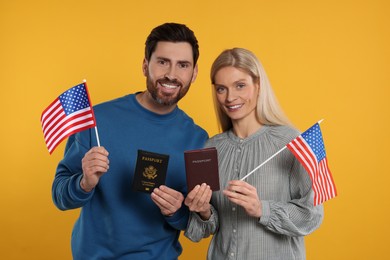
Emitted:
<point x="324" y="176"/>
<point x="307" y="154"/>
<point x="62" y="121"/>
<point x="331" y="189"/>
<point x="53" y="123"/>
<point x="48" y="110"/>
<point x="331" y="181"/>
<point x="298" y="151"/>
<point x="51" y="114"/>
<point x="68" y="132"/>
<point x="68" y="123"/>
<point x="321" y="184"/>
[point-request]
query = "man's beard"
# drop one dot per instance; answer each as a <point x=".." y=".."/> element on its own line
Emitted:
<point x="162" y="99"/>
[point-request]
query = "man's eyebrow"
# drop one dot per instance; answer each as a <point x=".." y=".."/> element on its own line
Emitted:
<point x="163" y="58"/>
<point x="167" y="59"/>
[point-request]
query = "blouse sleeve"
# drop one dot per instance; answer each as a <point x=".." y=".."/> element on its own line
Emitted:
<point x="299" y="216"/>
<point x="198" y="228"/>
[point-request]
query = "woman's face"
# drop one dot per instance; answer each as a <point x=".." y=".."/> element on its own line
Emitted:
<point x="236" y="93"/>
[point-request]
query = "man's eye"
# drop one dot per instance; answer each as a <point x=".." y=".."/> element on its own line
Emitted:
<point x="184" y="65"/>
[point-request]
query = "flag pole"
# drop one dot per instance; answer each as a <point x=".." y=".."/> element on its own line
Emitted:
<point x="97" y="136"/>
<point x="246" y="176"/>
<point x="96" y="130"/>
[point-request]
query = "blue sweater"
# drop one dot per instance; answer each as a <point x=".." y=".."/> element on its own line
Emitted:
<point x="115" y="222"/>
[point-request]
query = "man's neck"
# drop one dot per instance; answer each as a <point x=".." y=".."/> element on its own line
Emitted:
<point x="147" y="101"/>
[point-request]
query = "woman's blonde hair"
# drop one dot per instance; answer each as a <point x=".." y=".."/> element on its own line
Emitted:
<point x="268" y="111"/>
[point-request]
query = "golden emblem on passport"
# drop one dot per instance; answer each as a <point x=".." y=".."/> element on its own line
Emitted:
<point x="150" y="172"/>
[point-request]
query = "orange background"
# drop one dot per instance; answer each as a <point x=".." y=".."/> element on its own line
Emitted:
<point x="325" y="59"/>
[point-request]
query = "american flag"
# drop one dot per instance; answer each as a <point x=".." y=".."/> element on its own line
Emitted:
<point x="310" y="151"/>
<point x="69" y="113"/>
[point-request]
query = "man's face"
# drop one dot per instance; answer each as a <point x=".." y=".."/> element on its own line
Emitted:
<point x="170" y="72"/>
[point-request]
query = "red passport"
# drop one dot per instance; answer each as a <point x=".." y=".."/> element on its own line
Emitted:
<point x="202" y="167"/>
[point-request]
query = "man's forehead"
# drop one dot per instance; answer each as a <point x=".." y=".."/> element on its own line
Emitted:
<point x="177" y="51"/>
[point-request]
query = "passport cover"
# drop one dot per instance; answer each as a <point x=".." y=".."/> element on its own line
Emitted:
<point x="202" y="167"/>
<point x="150" y="171"/>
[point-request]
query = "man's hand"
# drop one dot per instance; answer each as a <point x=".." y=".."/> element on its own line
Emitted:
<point x="95" y="163"/>
<point x="168" y="200"/>
<point x="198" y="200"/>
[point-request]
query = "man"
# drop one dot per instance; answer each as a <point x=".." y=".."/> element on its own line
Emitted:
<point x="116" y="222"/>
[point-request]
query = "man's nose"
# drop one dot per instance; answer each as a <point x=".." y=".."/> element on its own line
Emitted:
<point x="171" y="73"/>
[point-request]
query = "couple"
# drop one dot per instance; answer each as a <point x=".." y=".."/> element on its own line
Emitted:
<point x="264" y="217"/>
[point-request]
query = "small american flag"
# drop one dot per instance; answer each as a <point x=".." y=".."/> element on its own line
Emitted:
<point x="310" y="151"/>
<point x="69" y="113"/>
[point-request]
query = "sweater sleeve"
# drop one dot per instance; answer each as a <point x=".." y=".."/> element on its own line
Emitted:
<point x="179" y="219"/>
<point x="66" y="190"/>
<point x="198" y="228"/>
<point x="299" y="216"/>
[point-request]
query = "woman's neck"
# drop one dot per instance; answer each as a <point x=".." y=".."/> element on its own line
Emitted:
<point x="245" y="128"/>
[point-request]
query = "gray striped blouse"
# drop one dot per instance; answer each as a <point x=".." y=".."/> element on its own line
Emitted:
<point x="284" y="188"/>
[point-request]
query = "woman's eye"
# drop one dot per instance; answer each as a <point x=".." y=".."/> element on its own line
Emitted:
<point x="220" y="90"/>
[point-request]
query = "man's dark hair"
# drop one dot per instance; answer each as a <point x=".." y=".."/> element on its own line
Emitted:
<point x="171" y="32"/>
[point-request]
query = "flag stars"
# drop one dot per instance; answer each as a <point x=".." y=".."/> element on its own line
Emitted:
<point x="313" y="137"/>
<point x="74" y="99"/>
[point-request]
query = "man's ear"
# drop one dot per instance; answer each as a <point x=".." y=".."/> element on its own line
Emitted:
<point x="145" y="67"/>
<point x="195" y="73"/>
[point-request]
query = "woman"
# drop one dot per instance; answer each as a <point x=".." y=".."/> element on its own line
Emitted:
<point x="267" y="215"/>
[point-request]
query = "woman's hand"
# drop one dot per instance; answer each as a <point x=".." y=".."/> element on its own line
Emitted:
<point x="244" y="195"/>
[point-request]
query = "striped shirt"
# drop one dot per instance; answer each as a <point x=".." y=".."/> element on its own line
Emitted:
<point x="284" y="188"/>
